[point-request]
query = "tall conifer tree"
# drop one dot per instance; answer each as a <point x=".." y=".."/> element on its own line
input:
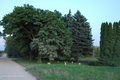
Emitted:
<point x="116" y="55"/>
<point x="110" y="44"/>
<point x="81" y="35"/>
<point x="104" y="44"/>
<point x="102" y="41"/>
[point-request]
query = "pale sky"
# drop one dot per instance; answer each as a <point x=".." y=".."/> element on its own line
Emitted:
<point x="96" y="11"/>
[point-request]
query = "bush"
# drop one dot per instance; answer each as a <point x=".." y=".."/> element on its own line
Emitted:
<point x="102" y="63"/>
<point x="96" y="51"/>
<point x="93" y="63"/>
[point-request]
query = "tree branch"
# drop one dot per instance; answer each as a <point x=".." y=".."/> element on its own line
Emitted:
<point x="32" y="34"/>
<point x="29" y="36"/>
<point x="27" y="32"/>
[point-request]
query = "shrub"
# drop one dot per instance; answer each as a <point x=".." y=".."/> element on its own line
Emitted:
<point x="95" y="63"/>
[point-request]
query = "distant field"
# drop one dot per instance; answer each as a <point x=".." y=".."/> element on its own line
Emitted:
<point x="59" y="71"/>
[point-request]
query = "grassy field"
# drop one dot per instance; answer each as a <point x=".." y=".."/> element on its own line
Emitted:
<point x="59" y="71"/>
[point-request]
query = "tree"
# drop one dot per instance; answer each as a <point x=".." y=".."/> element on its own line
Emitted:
<point x="110" y="41"/>
<point x="114" y="30"/>
<point x="106" y="44"/>
<point x="81" y="35"/>
<point x="22" y="24"/>
<point x="53" y="40"/>
<point x="116" y="56"/>
<point x="0" y="34"/>
<point x="102" y="41"/>
<point x="11" y="48"/>
<point x="109" y="44"/>
<point x="96" y="51"/>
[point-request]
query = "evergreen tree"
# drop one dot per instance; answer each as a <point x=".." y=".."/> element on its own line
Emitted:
<point x="110" y="43"/>
<point x="114" y="30"/>
<point x="104" y="52"/>
<point x="102" y="41"/>
<point x="81" y="35"/>
<point x="116" y="55"/>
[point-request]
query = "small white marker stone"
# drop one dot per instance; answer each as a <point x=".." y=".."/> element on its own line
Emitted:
<point x="65" y="63"/>
<point x="48" y="63"/>
<point x="79" y="63"/>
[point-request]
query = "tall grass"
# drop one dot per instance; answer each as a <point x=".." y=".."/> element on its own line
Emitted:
<point x="59" y="71"/>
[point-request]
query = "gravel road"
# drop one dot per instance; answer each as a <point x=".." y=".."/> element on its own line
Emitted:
<point x="10" y="70"/>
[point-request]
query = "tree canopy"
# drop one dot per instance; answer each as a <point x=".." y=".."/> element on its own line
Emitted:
<point x="53" y="40"/>
<point x="37" y="33"/>
<point x="81" y="34"/>
<point x="109" y="44"/>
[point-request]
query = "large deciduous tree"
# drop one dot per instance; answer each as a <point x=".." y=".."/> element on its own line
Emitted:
<point x="22" y="25"/>
<point x="53" y="40"/>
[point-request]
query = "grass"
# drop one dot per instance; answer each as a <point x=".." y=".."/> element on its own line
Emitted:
<point x="59" y="71"/>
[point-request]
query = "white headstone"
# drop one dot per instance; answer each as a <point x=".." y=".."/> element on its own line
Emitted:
<point x="65" y="63"/>
<point x="48" y="63"/>
<point x="79" y="63"/>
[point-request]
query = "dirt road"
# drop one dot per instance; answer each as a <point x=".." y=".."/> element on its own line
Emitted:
<point x="9" y="70"/>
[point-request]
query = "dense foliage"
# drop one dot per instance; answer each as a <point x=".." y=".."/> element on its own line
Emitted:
<point x="35" y="33"/>
<point x="96" y="51"/>
<point x="109" y="44"/>
<point x="11" y="48"/>
<point x="53" y="40"/>
<point x="81" y="35"/>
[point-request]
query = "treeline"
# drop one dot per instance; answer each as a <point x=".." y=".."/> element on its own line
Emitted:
<point x="36" y="33"/>
<point x="109" y="45"/>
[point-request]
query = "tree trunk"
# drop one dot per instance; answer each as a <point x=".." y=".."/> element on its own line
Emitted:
<point x="39" y="59"/>
<point x="25" y="56"/>
<point x="30" y="55"/>
<point x="78" y="59"/>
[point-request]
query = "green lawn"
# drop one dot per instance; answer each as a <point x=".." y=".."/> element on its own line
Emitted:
<point x="59" y="71"/>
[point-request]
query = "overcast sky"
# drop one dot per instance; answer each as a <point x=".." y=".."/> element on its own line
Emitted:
<point x="96" y="11"/>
